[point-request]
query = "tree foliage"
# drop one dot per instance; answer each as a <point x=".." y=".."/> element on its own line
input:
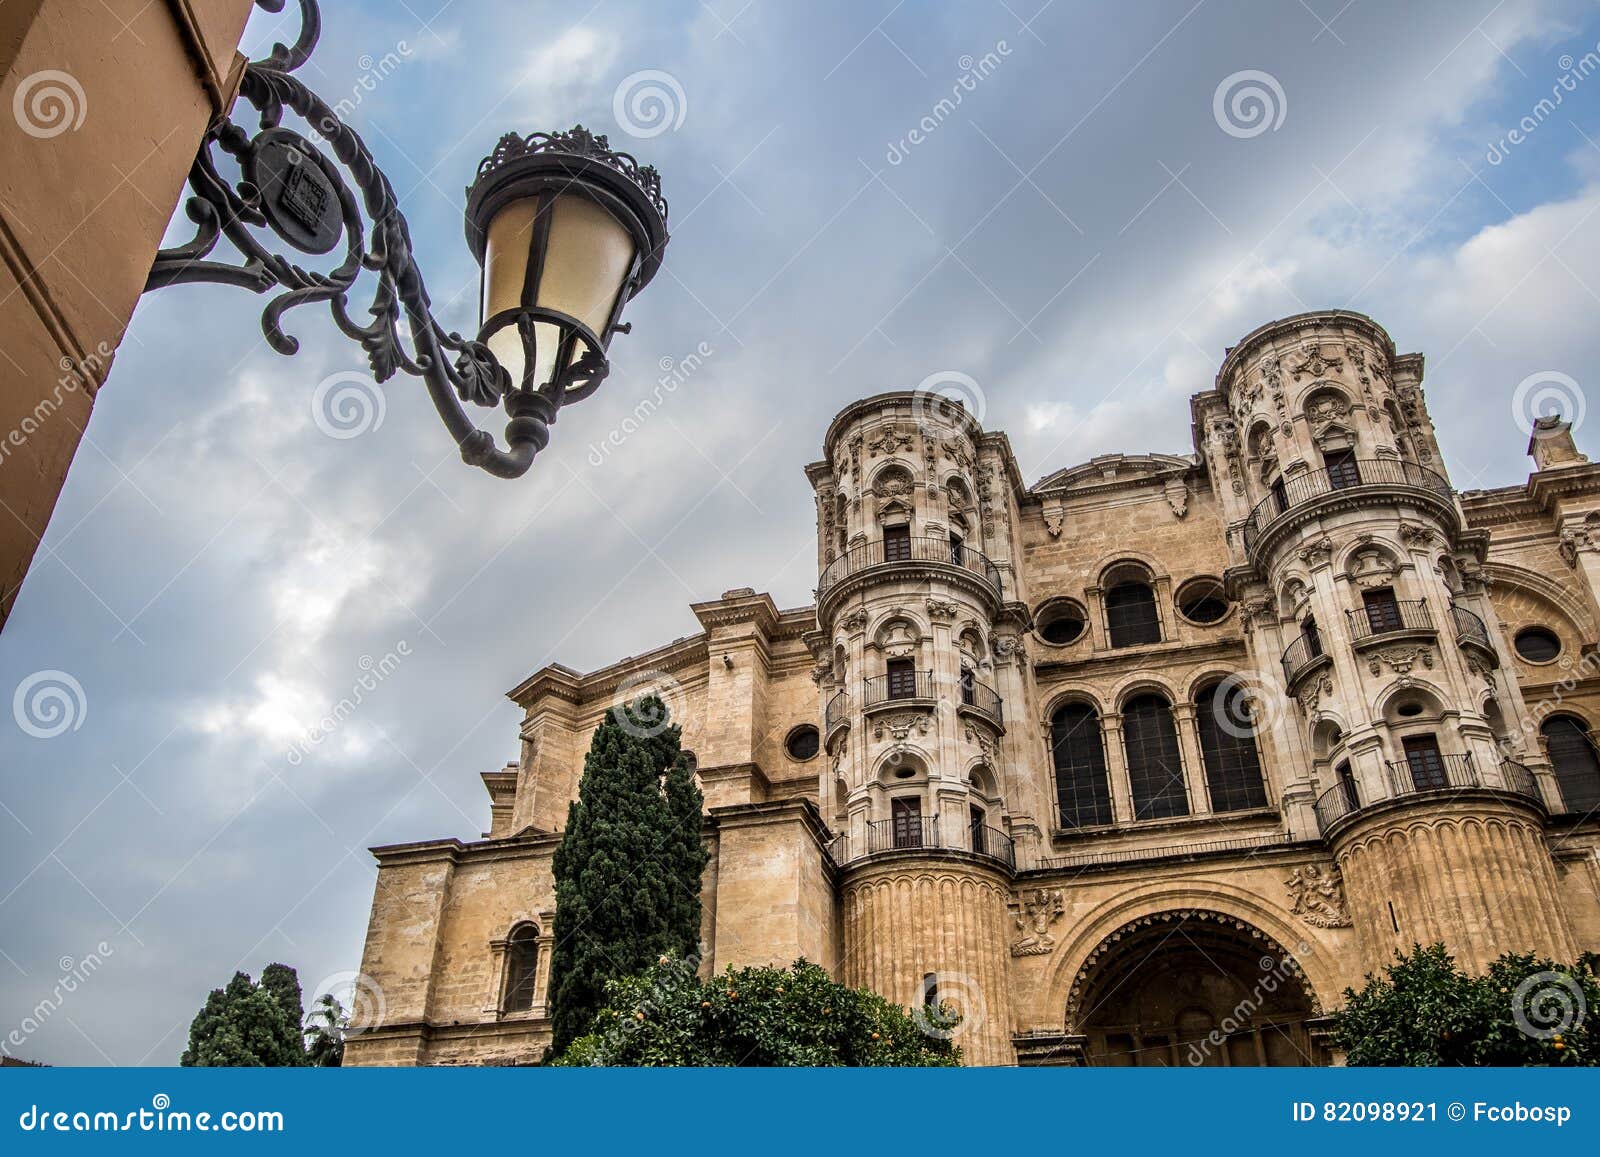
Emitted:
<point x="325" y="1029"/>
<point x="755" y="1016"/>
<point x="249" y="1024"/>
<point x="627" y="873"/>
<point x="1426" y="1011"/>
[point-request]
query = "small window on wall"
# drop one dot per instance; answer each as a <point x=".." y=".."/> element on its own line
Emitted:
<point x="1131" y="615"/>
<point x="1203" y="601"/>
<point x="897" y="544"/>
<point x="522" y="968"/>
<point x="1343" y="473"/>
<point x="1537" y="644"/>
<point x="1061" y="621"/>
<point x="803" y="743"/>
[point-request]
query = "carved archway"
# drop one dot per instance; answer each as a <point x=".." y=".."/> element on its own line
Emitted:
<point x="1193" y="987"/>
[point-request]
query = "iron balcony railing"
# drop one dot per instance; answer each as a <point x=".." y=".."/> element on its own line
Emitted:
<point x="1300" y="654"/>
<point x="889" y="688"/>
<point x="1469" y="627"/>
<point x="1388" y="618"/>
<point x="834" y="713"/>
<point x="982" y="698"/>
<point x="1407" y="778"/>
<point x="1352" y="475"/>
<point x="1519" y="778"/>
<point x="915" y="550"/>
<point x="1336" y="803"/>
<point x="908" y="833"/>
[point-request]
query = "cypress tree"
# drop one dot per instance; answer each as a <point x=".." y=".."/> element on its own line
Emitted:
<point x="249" y="1024"/>
<point x="627" y="873"/>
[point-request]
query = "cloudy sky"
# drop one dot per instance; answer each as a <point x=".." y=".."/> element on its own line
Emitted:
<point x="1082" y="233"/>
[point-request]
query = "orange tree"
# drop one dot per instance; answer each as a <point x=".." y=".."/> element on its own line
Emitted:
<point x="1425" y="1011"/>
<point x="756" y="1016"/>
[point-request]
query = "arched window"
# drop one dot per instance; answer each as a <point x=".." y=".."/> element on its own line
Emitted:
<point x="1155" y="767"/>
<point x="1082" y="793"/>
<point x="1572" y="755"/>
<point x="522" y="968"/>
<point x="1228" y="745"/>
<point x="1131" y="614"/>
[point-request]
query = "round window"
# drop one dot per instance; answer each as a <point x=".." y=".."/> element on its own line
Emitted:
<point x="1537" y="644"/>
<point x="1061" y="621"/>
<point x="803" y="743"/>
<point x="1203" y="600"/>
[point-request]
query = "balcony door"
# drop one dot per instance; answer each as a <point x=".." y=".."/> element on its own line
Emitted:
<point x="897" y="544"/>
<point x="1425" y="762"/>
<point x="906" y="821"/>
<point x="1343" y="472"/>
<point x="902" y="679"/>
<point x="1383" y="611"/>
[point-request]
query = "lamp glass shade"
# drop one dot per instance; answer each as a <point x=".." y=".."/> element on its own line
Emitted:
<point x="588" y="255"/>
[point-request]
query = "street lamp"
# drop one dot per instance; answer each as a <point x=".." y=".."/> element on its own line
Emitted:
<point x="565" y="230"/>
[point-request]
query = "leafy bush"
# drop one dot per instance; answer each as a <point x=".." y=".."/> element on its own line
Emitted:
<point x="1425" y="1011"/>
<point x="751" y="1017"/>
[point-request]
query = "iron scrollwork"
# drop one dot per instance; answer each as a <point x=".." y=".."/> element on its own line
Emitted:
<point x="290" y="186"/>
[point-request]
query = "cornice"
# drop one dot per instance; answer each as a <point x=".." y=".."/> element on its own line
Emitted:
<point x="1302" y="323"/>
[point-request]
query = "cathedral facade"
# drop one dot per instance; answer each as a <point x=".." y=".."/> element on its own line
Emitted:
<point x="1141" y="764"/>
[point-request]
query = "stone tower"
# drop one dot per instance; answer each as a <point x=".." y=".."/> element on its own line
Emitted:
<point x="1365" y="604"/>
<point x="919" y="619"/>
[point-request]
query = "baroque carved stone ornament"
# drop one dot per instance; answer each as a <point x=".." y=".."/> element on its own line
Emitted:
<point x="1317" y="553"/>
<point x="900" y="727"/>
<point x="1038" y="909"/>
<point x="943" y="609"/>
<point x="1177" y="496"/>
<point x="1318" y="896"/>
<point x="1400" y="660"/>
<point x="1314" y="362"/>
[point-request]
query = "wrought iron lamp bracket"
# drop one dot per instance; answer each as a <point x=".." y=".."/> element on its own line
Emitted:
<point x="290" y="186"/>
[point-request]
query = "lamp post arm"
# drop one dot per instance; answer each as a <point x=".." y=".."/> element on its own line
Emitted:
<point x="291" y="187"/>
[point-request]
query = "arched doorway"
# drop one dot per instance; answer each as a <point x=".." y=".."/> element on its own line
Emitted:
<point x="1193" y="988"/>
